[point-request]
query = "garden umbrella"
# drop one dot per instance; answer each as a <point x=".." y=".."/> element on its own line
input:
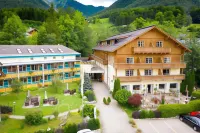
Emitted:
<point x="28" y="95"/>
<point x="45" y="95"/>
<point x="67" y="86"/>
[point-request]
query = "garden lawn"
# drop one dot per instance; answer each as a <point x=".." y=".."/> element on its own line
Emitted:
<point x="129" y="110"/>
<point x="65" y="103"/>
<point x="15" y="126"/>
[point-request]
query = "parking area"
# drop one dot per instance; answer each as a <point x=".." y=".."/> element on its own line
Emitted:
<point x="164" y="126"/>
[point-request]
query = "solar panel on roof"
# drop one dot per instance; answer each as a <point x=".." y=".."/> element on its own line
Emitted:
<point x="30" y="51"/>
<point x="19" y="51"/>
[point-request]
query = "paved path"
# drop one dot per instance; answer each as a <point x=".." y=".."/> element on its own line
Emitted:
<point x="113" y="119"/>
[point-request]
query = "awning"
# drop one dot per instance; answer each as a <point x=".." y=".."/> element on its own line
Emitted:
<point x="96" y="69"/>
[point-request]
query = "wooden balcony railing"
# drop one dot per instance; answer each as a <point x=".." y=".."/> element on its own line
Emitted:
<point x="149" y="66"/>
<point x="102" y="61"/>
<point x="152" y="50"/>
<point x="152" y="78"/>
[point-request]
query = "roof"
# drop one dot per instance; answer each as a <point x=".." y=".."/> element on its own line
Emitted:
<point x="21" y="50"/>
<point x="125" y="38"/>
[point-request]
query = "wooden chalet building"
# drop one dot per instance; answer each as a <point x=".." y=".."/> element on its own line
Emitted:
<point x="143" y="60"/>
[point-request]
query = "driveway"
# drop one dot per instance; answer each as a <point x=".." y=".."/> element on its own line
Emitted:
<point x="164" y="126"/>
<point x="113" y="119"/>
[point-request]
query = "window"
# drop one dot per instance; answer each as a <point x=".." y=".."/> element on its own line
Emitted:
<point x="140" y="43"/>
<point x="167" y="60"/>
<point x="149" y="60"/>
<point x="52" y="51"/>
<point x="130" y="60"/>
<point x="173" y="85"/>
<point x="32" y="59"/>
<point x="45" y="58"/>
<point x="1" y="82"/>
<point x="60" y="50"/>
<point x="12" y="69"/>
<point x="45" y="66"/>
<point x="126" y="87"/>
<point x="136" y="87"/>
<point x="19" y="51"/>
<point x="43" y="51"/>
<point x="22" y="68"/>
<point x="54" y="57"/>
<point x="161" y="86"/>
<point x="166" y="72"/>
<point x="148" y="72"/>
<point x="30" y="51"/>
<point x="46" y="77"/>
<point x="24" y="80"/>
<point x="63" y="57"/>
<point x="159" y="44"/>
<point x="108" y="42"/>
<point x="33" y="67"/>
<point x="129" y="72"/>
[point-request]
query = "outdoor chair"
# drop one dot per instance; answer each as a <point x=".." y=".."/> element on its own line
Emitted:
<point x="55" y="102"/>
<point x="26" y="103"/>
<point x="45" y="101"/>
<point x="36" y="104"/>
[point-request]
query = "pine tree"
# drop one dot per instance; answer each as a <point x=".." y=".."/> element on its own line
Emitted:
<point x="117" y="87"/>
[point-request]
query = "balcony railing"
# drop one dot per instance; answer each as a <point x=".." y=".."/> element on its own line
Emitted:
<point x="149" y="66"/>
<point x="151" y="78"/>
<point x="152" y="50"/>
<point x="102" y="61"/>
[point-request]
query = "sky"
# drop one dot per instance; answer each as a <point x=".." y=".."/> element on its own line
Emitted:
<point x="105" y="3"/>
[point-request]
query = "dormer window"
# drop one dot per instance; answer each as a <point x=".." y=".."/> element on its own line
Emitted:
<point x="159" y="44"/>
<point x="30" y="51"/>
<point x="140" y="43"/>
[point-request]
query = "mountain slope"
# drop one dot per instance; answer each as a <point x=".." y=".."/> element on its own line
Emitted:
<point x="87" y="10"/>
<point x="187" y="4"/>
<point x="23" y="3"/>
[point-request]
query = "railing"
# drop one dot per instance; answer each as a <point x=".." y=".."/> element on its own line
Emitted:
<point x="151" y="78"/>
<point x="152" y="50"/>
<point x="102" y="61"/>
<point x="149" y="66"/>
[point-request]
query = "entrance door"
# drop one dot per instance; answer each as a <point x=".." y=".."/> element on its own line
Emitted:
<point x="149" y="88"/>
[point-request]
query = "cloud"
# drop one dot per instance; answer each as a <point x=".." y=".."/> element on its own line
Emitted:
<point x="105" y="3"/>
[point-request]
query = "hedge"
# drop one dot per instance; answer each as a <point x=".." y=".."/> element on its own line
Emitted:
<point x="94" y="124"/>
<point x="172" y="110"/>
<point x="196" y="94"/>
<point x="6" y="109"/>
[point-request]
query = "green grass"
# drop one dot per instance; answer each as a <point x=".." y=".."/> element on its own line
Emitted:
<point x="14" y="126"/>
<point x="196" y="25"/>
<point x="129" y="110"/>
<point x="65" y="102"/>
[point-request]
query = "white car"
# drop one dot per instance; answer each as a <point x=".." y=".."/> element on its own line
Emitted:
<point x="85" y="131"/>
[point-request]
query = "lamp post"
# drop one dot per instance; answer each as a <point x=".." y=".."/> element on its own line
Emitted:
<point x="14" y="106"/>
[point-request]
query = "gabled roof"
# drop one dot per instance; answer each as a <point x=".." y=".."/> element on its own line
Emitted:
<point x="125" y="38"/>
<point x="21" y="50"/>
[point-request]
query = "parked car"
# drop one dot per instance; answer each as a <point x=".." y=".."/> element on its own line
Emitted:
<point x="85" y="131"/>
<point x="192" y="121"/>
<point x="198" y="116"/>
<point x="195" y="113"/>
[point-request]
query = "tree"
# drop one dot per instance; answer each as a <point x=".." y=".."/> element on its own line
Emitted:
<point x="42" y="35"/>
<point x="16" y="86"/>
<point x="15" y="28"/>
<point x="117" y="87"/>
<point x="33" y="39"/>
<point x="139" y="22"/>
<point x="122" y="96"/>
<point x="57" y="84"/>
<point x="160" y="17"/>
<point x="135" y="100"/>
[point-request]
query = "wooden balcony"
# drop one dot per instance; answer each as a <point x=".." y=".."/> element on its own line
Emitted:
<point x="149" y="66"/>
<point x="152" y="78"/>
<point x="151" y="50"/>
<point x="102" y="61"/>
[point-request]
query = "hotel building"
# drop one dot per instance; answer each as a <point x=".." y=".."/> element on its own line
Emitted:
<point x="36" y="65"/>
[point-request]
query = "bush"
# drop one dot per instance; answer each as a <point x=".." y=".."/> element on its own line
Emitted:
<point x="88" y="92"/>
<point x="56" y="113"/>
<point x="135" y="100"/>
<point x="122" y="96"/>
<point x="117" y="87"/>
<point x="93" y="124"/>
<point x="108" y="100"/>
<point x="88" y="110"/>
<point x="151" y="114"/>
<point x="6" y="109"/>
<point x="34" y="118"/>
<point x="138" y="131"/>
<point x="143" y="114"/>
<point x="136" y="115"/>
<point x="157" y="114"/>
<point x="104" y="101"/>
<point x="196" y="94"/>
<point x="4" y="117"/>
<point x="71" y="128"/>
<point x="91" y="97"/>
<point x="172" y="110"/>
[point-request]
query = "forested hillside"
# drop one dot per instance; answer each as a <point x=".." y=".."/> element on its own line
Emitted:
<point x="187" y="4"/>
<point x="23" y="3"/>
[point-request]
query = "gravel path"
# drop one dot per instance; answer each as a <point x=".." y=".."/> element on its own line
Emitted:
<point x="113" y="119"/>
